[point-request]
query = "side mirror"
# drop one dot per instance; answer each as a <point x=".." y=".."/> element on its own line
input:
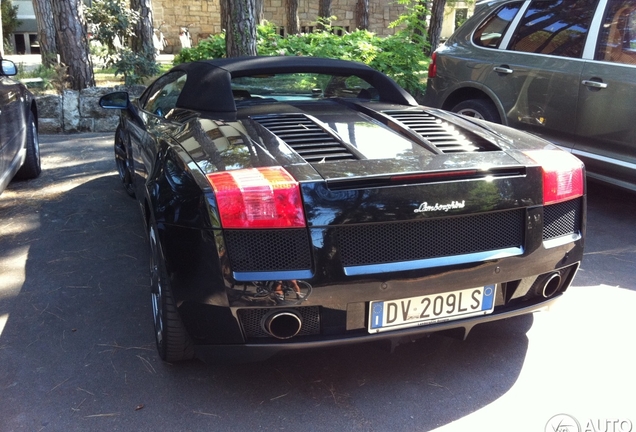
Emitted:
<point x="8" y="68"/>
<point x="115" y="100"/>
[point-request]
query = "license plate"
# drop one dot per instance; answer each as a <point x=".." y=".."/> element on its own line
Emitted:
<point x="430" y="309"/>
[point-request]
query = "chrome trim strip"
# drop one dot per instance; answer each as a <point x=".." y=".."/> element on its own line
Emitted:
<point x="272" y="275"/>
<point x="595" y="28"/>
<point x="612" y="161"/>
<point x="560" y="241"/>
<point x="513" y="26"/>
<point x="432" y="262"/>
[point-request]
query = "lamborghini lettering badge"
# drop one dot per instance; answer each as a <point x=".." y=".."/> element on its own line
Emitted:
<point x="424" y="207"/>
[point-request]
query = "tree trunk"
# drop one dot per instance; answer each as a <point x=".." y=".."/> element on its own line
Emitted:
<point x="293" y="26"/>
<point x="240" y="39"/>
<point x="258" y="12"/>
<point x="46" y="31"/>
<point x="1" y="37"/>
<point x="324" y="12"/>
<point x="224" y="14"/>
<point x="435" y="28"/>
<point x="73" y="43"/>
<point x="362" y="14"/>
<point x="142" y="41"/>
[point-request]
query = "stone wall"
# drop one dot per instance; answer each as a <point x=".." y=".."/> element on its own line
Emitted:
<point x="204" y="17"/>
<point x="79" y="111"/>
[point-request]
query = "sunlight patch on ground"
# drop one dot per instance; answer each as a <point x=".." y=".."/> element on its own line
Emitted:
<point x="51" y="190"/>
<point x="12" y="272"/>
<point x="3" y="322"/>
<point x="19" y="225"/>
<point x="578" y="355"/>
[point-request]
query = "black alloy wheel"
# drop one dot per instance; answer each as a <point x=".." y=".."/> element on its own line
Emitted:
<point x="32" y="165"/>
<point x="173" y="342"/>
<point x="123" y="159"/>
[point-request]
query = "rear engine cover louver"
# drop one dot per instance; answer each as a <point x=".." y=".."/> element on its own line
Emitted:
<point x="445" y="136"/>
<point x="306" y="137"/>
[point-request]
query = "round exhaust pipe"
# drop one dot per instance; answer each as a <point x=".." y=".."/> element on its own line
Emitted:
<point x="283" y="324"/>
<point x="551" y="285"/>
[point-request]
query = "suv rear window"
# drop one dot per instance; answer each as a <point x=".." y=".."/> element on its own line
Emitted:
<point x="490" y="32"/>
<point x="557" y="27"/>
<point x="617" y="41"/>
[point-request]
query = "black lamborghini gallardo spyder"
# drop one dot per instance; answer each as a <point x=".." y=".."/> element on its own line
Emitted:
<point x="296" y="202"/>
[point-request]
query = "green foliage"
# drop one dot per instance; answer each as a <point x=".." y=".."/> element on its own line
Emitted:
<point x="10" y="22"/>
<point x="9" y="17"/>
<point x="135" y="67"/>
<point x="113" y="24"/>
<point x="397" y="56"/>
<point x="212" y="47"/>
<point x="52" y="78"/>
<point x="413" y="21"/>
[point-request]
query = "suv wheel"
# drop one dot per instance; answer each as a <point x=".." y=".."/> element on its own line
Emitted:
<point x="478" y="108"/>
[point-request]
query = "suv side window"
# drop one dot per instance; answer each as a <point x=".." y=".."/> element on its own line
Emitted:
<point x="163" y="95"/>
<point x="490" y="32"/>
<point x="557" y="27"/>
<point x="617" y="40"/>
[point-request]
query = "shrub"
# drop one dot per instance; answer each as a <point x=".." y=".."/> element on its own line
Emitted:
<point x="112" y="24"/>
<point x="397" y="56"/>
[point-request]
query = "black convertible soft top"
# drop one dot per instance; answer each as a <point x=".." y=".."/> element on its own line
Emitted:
<point x="208" y="87"/>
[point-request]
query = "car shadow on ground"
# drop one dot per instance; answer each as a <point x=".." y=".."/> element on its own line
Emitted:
<point x="77" y="348"/>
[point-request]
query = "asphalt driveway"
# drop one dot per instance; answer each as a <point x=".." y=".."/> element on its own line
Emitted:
<point x="77" y="350"/>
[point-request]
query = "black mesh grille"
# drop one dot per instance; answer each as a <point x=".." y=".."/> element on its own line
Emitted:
<point x="562" y="219"/>
<point x="308" y="139"/>
<point x="445" y="136"/>
<point x="251" y="320"/>
<point x="407" y="241"/>
<point x="268" y="250"/>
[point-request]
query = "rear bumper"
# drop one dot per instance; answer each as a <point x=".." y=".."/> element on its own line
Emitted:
<point x="252" y="352"/>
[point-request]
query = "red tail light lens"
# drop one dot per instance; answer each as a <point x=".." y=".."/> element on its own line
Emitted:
<point x="563" y="175"/>
<point x="432" y="66"/>
<point x="266" y="197"/>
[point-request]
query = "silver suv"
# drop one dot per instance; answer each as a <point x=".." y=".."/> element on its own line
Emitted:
<point x="562" y="69"/>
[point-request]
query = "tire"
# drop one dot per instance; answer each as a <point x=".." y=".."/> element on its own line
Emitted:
<point x="32" y="166"/>
<point x="124" y="162"/>
<point x="481" y="109"/>
<point x="173" y="342"/>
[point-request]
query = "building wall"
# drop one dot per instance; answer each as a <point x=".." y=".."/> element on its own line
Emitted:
<point x="204" y="18"/>
<point x="451" y="15"/>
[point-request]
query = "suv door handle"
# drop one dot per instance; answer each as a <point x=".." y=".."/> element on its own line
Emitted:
<point x="594" y="84"/>
<point x="502" y="70"/>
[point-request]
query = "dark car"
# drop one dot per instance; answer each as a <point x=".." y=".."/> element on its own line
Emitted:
<point x="564" y="70"/>
<point x="19" y="145"/>
<point x="297" y="202"/>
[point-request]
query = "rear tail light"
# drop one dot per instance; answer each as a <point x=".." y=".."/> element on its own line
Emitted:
<point x="563" y="175"/>
<point x="432" y="66"/>
<point x="267" y="197"/>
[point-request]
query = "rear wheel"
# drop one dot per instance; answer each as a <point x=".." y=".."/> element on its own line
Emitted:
<point x="124" y="162"/>
<point x="31" y="168"/>
<point x="173" y="342"/>
<point x="481" y="109"/>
